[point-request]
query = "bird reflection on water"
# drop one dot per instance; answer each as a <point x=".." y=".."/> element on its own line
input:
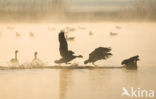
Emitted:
<point x="65" y="82"/>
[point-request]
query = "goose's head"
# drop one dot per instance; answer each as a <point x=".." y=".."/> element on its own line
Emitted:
<point x="35" y="53"/>
<point x="16" y="51"/>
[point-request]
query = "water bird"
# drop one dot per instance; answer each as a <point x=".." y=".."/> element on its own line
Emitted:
<point x="118" y="27"/>
<point x="131" y="63"/>
<point x="36" y="61"/>
<point x="31" y="34"/>
<point x="99" y="54"/>
<point x="70" y="29"/>
<point x="113" y="34"/>
<point x="10" y="27"/>
<point x="67" y="55"/>
<point x="90" y="33"/>
<point x="51" y="28"/>
<point x="35" y="56"/>
<point x="17" y="34"/>
<point x="69" y="38"/>
<point x="14" y="60"/>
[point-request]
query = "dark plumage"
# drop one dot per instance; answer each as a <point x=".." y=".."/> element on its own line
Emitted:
<point x="63" y="45"/>
<point x="66" y="60"/>
<point x="131" y="62"/>
<point x="98" y="54"/>
<point x="67" y="55"/>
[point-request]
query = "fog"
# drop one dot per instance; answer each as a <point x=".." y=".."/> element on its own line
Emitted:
<point x="30" y="26"/>
<point x="76" y="10"/>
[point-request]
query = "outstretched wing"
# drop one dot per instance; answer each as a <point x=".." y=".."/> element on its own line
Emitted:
<point x="107" y="55"/>
<point x="135" y="58"/>
<point x="100" y="53"/>
<point x="63" y="44"/>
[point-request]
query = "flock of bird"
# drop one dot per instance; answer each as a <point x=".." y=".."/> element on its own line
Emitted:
<point x="100" y="53"/>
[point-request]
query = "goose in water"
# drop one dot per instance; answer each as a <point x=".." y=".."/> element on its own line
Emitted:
<point x="131" y="63"/>
<point x="90" y="33"/>
<point x="36" y="61"/>
<point x="118" y="27"/>
<point x="14" y="61"/>
<point x="67" y="55"/>
<point x="10" y="27"/>
<point x="31" y="34"/>
<point x="70" y="29"/>
<point x="35" y="57"/>
<point x="113" y="34"/>
<point x="17" y="34"/>
<point x="69" y="38"/>
<point x="98" y="54"/>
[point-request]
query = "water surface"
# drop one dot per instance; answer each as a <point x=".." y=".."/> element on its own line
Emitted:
<point x="132" y="39"/>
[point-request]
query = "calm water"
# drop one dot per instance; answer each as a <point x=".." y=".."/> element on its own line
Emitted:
<point x="132" y="39"/>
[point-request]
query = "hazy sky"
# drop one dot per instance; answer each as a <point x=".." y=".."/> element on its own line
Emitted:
<point x="75" y="5"/>
<point x="98" y="4"/>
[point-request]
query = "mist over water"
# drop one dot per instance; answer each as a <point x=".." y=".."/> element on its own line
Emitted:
<point x="74" y="11"/>
<point x="135" y="38"/>
<point x="33" y="25"/>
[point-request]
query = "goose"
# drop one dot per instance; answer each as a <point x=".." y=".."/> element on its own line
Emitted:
<point x="113" y="34"/>
<point x="17" y="34"/>
<point x="118" y="27"/>
<point x="67" y="59"/>
<point x="131" y="62"/>
<point x="35" y="57"/>
<point x="15" y="60"/>
<point x="90" y="33"/>
<point x="70" y="29"/>
<point x="31" y="34"/>
<point x="10" y="27"/>
<point x="98" y="54"/>
<point x="67" y="55"/>
<point x="69" y="38"/>
<point x="36" y="61"/>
